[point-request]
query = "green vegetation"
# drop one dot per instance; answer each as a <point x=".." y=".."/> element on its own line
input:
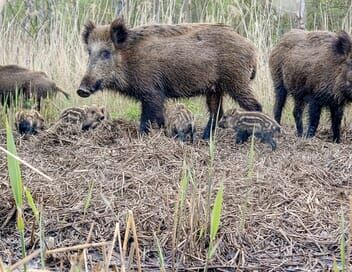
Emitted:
<point x="16" y="185"/>
<point x="52" y="29"/>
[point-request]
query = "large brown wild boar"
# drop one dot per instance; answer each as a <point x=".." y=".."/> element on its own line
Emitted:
<point x="155" y="62"/>
<point x="315" y="68"/>
<point x="28" y="84"/>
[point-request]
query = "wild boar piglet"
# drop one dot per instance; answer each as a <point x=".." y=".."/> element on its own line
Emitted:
<point x="179" y="122"/>
<point x="245" y="123"/>
<point x="29" y="122"/>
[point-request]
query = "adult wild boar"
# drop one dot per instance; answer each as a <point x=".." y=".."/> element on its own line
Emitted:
<point x="156" y="62"/>
<point x="28" y="84"/>
<point x="315" y="68"/>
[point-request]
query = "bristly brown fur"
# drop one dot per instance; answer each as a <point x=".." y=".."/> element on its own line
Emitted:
<point x="315" y="68"/>
<point x="155" y="62"/>
<point x="179" y="122"/>
<point x="28" y="84"/>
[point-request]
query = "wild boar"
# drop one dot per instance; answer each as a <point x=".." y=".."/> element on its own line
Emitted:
<point x="94" y="116"/>
<point x="88" y="117"/>
<point x="246" y="123"/>
<point x="73" y="115"/>
<point x="316" y="69"/>
<point x="21" y="82"/>
<point x="155" y="62"/>
<point x="29" y="122"/>
<point x="179" y="122"/>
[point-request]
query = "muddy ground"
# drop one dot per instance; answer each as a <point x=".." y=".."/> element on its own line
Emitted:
<point x="287" y="217"/>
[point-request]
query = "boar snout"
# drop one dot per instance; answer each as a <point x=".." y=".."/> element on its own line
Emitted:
<point x="86" y="125"/>
<point x="83" y="92"/>
<point x="88" y="87"/>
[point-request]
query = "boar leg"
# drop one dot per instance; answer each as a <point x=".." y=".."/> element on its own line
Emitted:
<point x="267" y="138"/>
<point x="214" y="102"/>
<point x="241" y="136"/>
<point x="336" y="118"/>
<point x="193" y="136"/>
<point x="314" y="118"/>
<point x="298" y="114"/>
<point x="152" y="112"/>
<point x="280" y="100"/>
<point x="39" y="101"/>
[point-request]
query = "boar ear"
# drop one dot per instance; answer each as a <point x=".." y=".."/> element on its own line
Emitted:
<point x="105" y="112"/>
<point x="118" y="31"/>
<point x="343" y="44"/>
<point x="88" y="28"/>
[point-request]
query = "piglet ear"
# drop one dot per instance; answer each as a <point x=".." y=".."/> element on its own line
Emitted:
<point x="118" y="31"/>
<point x="88" y="28"/>
<point x="343" y="44"/>
<point x="105" y="113"/>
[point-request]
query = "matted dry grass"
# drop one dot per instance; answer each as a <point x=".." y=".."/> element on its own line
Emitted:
<point x="286" y="218"/>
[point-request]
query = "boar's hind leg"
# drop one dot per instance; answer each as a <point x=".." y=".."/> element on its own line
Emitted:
<point x="280" y="100"/>
<point x="314" y="118"/>
<point x="298" y="114"/>
<point x="336" y="118"/>
<point x="152" y="112"/>
<point x="214" y="103"/>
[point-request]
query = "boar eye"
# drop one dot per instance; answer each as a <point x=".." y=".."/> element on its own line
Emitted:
<point x="105" y="54"/>
<point x="89" y="52"/>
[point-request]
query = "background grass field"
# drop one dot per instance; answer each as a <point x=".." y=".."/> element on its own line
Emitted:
<point x="46" y="35"/>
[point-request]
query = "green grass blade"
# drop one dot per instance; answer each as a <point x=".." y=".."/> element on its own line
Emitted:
<point x="335" y="267"/>
<point x="251" y="155"/>
<point x="184" y="184"/>
<point x="16" y="185"/>
<point x="14" y="168"/>
<point x="31" y="203"/>
<point x="160" y="253"/>
<point x="89" y="198"/>
<point x="216" y="213"/>
<point x="212" y="249"/>
<point x="42" y="241"/>
<point x="343" y="243"/>
<point x="20" y="227"/>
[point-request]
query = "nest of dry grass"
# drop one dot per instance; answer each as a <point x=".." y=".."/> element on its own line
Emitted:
<point x="285" y="218"/>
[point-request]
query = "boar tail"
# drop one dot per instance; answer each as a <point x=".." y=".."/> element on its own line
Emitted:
<point x="63" y="92"/>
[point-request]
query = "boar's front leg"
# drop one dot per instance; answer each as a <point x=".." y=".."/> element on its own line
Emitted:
<point x="298" y="115"/>
<point x="336" y="118"/>
<point x="314" y="117"/>
<point x="152" y="112"/>
<point x="241" y="136"/>
<point x="214" y="103"/>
